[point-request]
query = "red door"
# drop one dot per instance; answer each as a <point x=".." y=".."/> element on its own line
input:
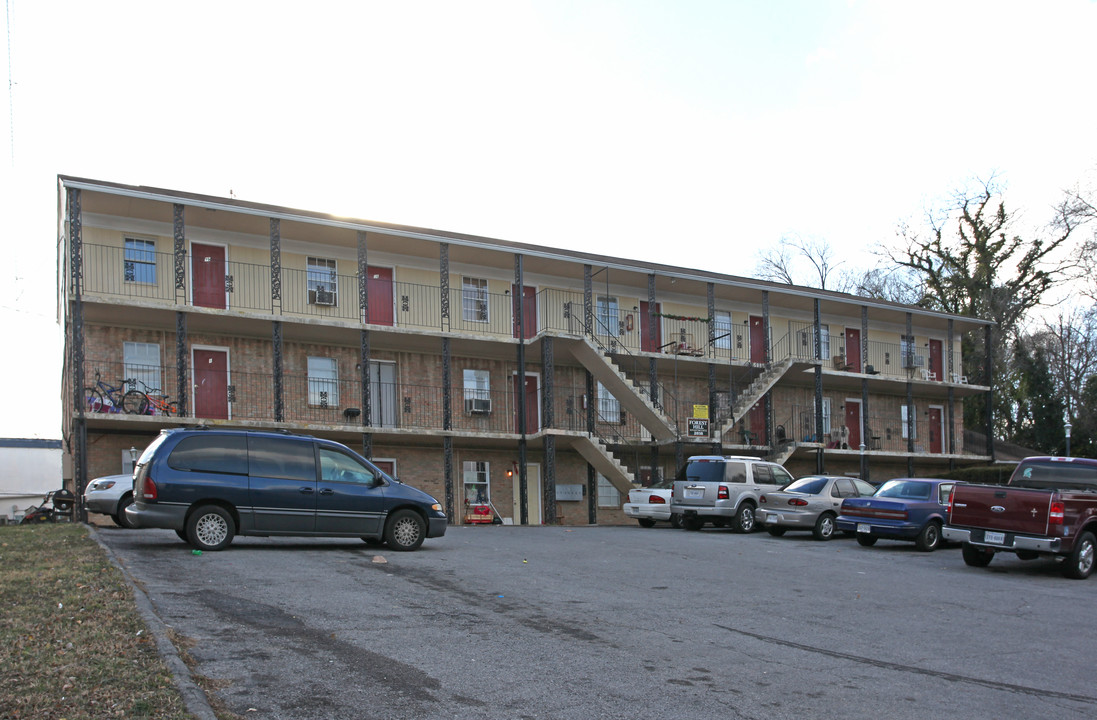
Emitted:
<point x="208" y="275"/>
<point x="757" y="340"/>
<point x="935" y="430"/>
<point x="529" y="310"/>
<point x="532" y="406"/>
<point x="379" y="286"/>
<point x="211" y="384"/>
<point x="935" y="364"/>
<point x="853" y="351"/>
<point x="853" y="422"/>
<point x="648" y="341"/>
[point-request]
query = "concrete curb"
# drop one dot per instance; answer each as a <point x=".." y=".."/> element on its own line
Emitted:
<point x="193" y="696"/>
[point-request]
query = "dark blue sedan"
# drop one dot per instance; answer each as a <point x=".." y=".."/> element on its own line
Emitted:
<point x="902" y="509"/>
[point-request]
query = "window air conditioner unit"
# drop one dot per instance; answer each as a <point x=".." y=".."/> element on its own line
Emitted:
<point x="478" y="406"/>
<point x="323" y="297"/>
<point x="914" y="361"/>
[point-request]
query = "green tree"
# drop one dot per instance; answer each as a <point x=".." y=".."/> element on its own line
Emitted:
<point x="1037" y="420"/>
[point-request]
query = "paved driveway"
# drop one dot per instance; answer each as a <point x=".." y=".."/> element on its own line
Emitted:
<point x="620" y="622"/>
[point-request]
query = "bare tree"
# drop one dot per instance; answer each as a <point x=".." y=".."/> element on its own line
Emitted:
<point x="1069" y="343"/>
<point x="779" y="263"/>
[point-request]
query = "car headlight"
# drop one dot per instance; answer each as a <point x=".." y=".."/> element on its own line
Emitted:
<point x="104" y="485"/>
<point x="437" y="508"/>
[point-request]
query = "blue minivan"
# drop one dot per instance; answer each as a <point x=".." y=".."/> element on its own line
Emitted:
<point x="209" y="485"/>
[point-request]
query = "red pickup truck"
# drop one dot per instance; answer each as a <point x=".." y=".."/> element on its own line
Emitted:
<point x="1048" y="507"/>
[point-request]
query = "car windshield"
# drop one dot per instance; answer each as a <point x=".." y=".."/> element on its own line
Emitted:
<point x="909" y="489"/>
<point x="808" y="485"/>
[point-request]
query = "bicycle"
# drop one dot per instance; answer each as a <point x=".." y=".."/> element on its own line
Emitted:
<point x="103" y="397"/>
<point x="155" y="402"/>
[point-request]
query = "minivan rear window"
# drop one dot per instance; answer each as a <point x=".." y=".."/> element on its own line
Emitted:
<point x="282" y="458"/>
<point x="211" y="453"/>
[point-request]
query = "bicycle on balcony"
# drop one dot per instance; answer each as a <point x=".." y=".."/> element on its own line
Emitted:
<point x="106" y="398"/>
<point x="154" y="402"/>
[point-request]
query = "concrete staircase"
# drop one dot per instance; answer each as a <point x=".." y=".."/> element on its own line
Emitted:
<point x="782" y="453"/>
<point x="754" y="393"/>
<point x="599" y="456"/>
<point x="633" y="399"/>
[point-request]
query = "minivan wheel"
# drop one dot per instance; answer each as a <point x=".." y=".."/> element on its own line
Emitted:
<point x="744" y="519"/>
<point x="210" y="527"/>
<point x="405" y="530"/>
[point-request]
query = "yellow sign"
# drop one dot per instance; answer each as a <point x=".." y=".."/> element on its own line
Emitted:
<point x="700" y="412"/>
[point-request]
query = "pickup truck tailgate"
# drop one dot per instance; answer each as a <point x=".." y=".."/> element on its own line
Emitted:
<point x="1011" y="509"/>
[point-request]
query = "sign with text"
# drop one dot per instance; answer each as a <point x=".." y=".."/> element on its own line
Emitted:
<point x="697" y="427"/>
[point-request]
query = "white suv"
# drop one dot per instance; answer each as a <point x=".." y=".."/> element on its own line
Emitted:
<point x="724" y="490"/>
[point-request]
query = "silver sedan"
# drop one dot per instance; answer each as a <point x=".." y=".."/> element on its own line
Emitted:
<point x="810" y="503"/>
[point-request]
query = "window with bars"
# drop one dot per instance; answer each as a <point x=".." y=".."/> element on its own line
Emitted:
<point x="476" y="478"/>
<point x="322" y="278"/>
<point x="323" y="382"/>
<point x="139" y="264"/>
<point x="474" y="299"/>
<point x="141" y="361"/>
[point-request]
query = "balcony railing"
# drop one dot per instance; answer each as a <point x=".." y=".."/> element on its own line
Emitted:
<point x="619" y="332"/>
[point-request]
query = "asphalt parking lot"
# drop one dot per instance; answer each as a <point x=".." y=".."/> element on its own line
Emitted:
<point x="619" y="622"/>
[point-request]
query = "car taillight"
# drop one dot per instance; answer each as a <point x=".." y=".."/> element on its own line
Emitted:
<point x="951" y="494"/>
<point x="799" y="502"/>
<point x="148" y="489"/>
<point x="1055" y="517"/>
<point x="763" y="500"/>
<point x="657" y="500"/>
<point x="722" y="493"/>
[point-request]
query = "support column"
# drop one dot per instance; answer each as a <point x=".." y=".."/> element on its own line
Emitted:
<point x="592" y="496"/>
<point x="447" y="387"/>
<point x="910" y="396"/>
<point x="817" y="334"/>
<point x="78" y="436"/>
<point x="655" y="474"/>
<point x="865" y="427"/>
<point x="443" y="284"/>
<point x="523" y="476"/>
<point x="447" y="471"/>
<point x="951" y="411"/>
<point x="276" y="347"/>
<point x="276" y="266"/>
<point x="179" y="253"/>
<point x="367" y="391"/>
<point x="653" y="370"/>
<point x="182" y="357"/>
<point x="548" y="412"/>
<point x="712" y="407"/>
<point x="363" y="283"/>
<point x="588" y="302"/>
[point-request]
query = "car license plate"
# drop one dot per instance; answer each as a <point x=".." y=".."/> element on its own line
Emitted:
<point x="995" y="537"/>
<point x="864" y="528"/>
<point x="771" y="518"/>
<point x="694" y="493"/>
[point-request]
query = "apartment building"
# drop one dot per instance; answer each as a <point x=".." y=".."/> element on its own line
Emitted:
<point x="514" y="381"/>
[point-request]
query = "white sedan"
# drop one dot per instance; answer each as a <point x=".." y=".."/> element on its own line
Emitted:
<point x="110" y="495"/>
<point x="649" y="504"/>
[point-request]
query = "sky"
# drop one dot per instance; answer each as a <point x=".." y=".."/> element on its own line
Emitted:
<point x="689" y="132"/>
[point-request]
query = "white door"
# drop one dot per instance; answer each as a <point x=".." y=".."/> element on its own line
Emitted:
<point x="533" y="499"/>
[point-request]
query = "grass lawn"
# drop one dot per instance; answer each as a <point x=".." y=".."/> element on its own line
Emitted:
<point x="72" y="644"/>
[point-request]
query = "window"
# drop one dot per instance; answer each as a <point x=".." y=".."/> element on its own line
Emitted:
<point x="140" y="261"/>
<point x="609" y="409"/>
<point x="477" y="391"/>
<point x="906" y="350"/>
<point x="608" y="495"/>
<point x="824" y="341"/>
<point x="382" y="394"/>
<point x="322" y="280"/>
<point x="340" y="467"/>
<point x="722" y="330"/>
<point x="903" y="409"/>
<point x="608" y="322"/>
<point x="474" y="299"/>
<point x="826" y="416"/>
<point x="282" y="458"/>
<point x="209" y="454"/>
<point x="141" y="361"/>
<point x="323" y="382"/>
<point x="477" y="483"/>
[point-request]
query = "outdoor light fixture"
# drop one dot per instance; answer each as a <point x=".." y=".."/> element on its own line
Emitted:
<point x="1066" y="427"/>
